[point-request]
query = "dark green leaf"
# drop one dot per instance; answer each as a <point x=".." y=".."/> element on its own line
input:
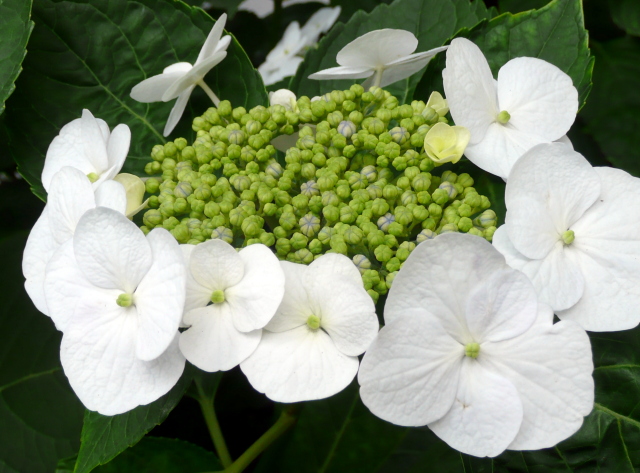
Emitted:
<point x="611" y="115"/>
<point x="517" y="6"/>
<point x="15" y="28"/>
<point x="554" y="33"/>
<point x="626" y="14"/>
<point x="40" y="416"/>
<point x="90" y="54"/>
<point x="104" y="437"/>
<point x="432" y="21"/>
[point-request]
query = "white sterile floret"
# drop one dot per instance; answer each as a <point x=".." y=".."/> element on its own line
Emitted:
<point x="575" y="231"/>
<point x="382" y="55"/>
<point x="118" y="298"/>
<point x="71" y="194"/>
<point x="468" y="350"/>
<point x="264" y="8"/>
<point x="87" y="144"/>
<point x="309" y="350"/>
<point x="283" y="97"/>
<point x="532" y="102"/>
<point x="230" y="297"/>
<point x="178" y="80"/>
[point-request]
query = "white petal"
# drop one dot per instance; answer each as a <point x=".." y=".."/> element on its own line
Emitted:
<point x="212" y="343"/>
<point x="70" y="196"/>
<point x="274" y="72"/>
<point x="409" y="375"/>
<point x="177" y="111"/>
<point x="153" y="88"/>
<point x="542" y="205"/>
<point x="298" y="365"/>
<point x="111" y="194"/>
<point x="342" y="72"/>
<point x="500" y="149"/>
<point x="111" y="250"/>
<point x="557" y="277"/>
<point x="40" y="247"/>
<point x="320" y="22"/>
<point x="486" y="415"/>
<point x="377" y="48"/>
<point x="551" y="367"/>
<point x="210" y="44"/>
<point x="95" y="147"/>
<point x="407" y="66"/>
<point x="503" y="306"/>
<point x="335" y="263"/>
<point x="470" y="88"/>
<point x="118" y="146"/>
<point x="66" y="149"/>
<point x="223" y="44"/>
<point x="256" y="297"/>
<point x="565" y="140"/>
<point x="196" y="294"/>
<point x="104" y="372"/>
<point x="290" y="45"/>
<point x="440" y="275"/>
<point x="295" y="308"/>
<point x="193" y="76"/>
<point x="160" y="296"/>
<point x="540" y="98"/>
<point x="182" y="67"/>
<point x="215" y="264"/>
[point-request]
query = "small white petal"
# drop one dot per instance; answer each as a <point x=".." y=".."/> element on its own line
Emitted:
<point x="177" y="111"/>
<point x="195" y="75"/>
<point x="196" y="294"/>
<point x="215" y="264"/>
<point x="377" y="48"/>
<point x="295" y="308"/>
<point x="211" y="43"/>
<point x="407" y="66"/>
<point x="182" y="67"/>
<point x="111" y="194"/>
<point x="335" y="263"/>
<point x="223" y="44"/>
<point x="409" y="375"/>
<point x="320" y="22"/>
<point x="94" y="143"/>
<point x="153" y="88"/>
<point x="118" y="146"/>
<point x="486" y="415"/>
<point x="298" y="365"/>
<point x="40" y="247"/>
<point x="66" y="149"/>
<point x="212" y="343"/>
<point x="70" y="196"/>
<point x="275" y="72"/>
<point x="343" y="72"/>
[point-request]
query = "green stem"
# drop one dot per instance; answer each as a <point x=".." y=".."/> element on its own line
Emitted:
<point x="377" y="79"/>
<point x="206" y="404"/>
<point x="214" y="98"/>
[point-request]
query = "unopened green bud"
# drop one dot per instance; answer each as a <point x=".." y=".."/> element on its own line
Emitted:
<point x="309" y="188"/>
<point x="347" y="128"/>
<point x="440" y="196"/>
<point x="217" y="296"/>
<point x="568" y="237"/>
<point x="353" y="235"/>
<point x="125" y="300"/>
<point x="384" y="222"/>
<point x="152" y="218"/>
<point x="298" y="241"/>
<point x="348" y="214"/>
<point x="487" y="219"/>
<point x="338" y="244"/>
<point x="383" y="253"/>
<point x="309" y="225"/>
<point x="362" y="263"/>
<point x="325" y="235"/>
<point x="425" y="234"/>
<point x="283" y="246"/>
<point x="399" y="135"/>
<point x="449" y="228"/>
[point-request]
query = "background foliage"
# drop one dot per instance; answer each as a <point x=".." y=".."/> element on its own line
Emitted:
<point x="90" y="53"/>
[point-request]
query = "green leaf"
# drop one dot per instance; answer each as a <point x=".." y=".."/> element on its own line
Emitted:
<point x="89" y="54"/>
<point x="432" y="21"/>
<point x="15" y="28"/>
<point x="104" y="437"/>
<point x="626" y="14"/>
<point x="40" y="416"/>
<point x="516" y="6"/>
<point x="611" y="115"/>
<point x="554" y="33"/>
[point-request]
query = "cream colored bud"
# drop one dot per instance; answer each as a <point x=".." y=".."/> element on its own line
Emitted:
<point x="438" y="103"/>
<point x="283" y="97"/>
<point x="134" y="188"/>
<point x="444" y="143"/>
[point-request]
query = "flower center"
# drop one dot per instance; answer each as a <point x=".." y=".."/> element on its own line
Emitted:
<point x="472" y="350"/>
<point x="313" y="322"/>
<point x="124" y="300"/>
<point x="93" y="177"/>
<point x="503" y="117"/>
<point x="568" y="237"/>
<point x="217" y="297"/>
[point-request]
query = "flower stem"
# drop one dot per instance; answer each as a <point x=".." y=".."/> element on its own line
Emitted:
<point x="209" y="414"/>
<point x="214" y="98"/>
<point x="378" y="77"/>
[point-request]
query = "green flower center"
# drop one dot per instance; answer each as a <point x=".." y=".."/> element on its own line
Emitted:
<point x="503" y="117"/>
<point x="313" y="322"/>
<point x="472" y="350"/>
<point x="217" y="297"/>
<point x="124" y="300"/>
<point x="93" y="177"/>
<point x="568" y="237"/>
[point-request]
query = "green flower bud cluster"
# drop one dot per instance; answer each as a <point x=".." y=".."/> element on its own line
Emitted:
<point x="357" y="182"/>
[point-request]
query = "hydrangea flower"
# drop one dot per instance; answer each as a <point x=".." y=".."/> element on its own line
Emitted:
<point x="230" y="297"/>
<point x="574" y="230"/>
<point x="118" y="298"/>
<point x="87" y="144"/>
<point x="178" y="80"/>
<point x="446" y="144"/>
<point x="468" y="350"/>
<point x="532" y="102"/>
<point x="71" y="194"/>
<point x="264" y="8"/>
<point x="382" y="55"/>
<point x="309" y="350"/>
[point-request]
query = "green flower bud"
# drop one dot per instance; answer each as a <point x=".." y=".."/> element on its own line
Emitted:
<point x="181" y="233"/>
<point x="252" y="226"/>
<point x="338" y="244"/>
<point x="425" y="234"/>
<point x="449" y="228"/>
<point x="309" y="225"/>
<point x="390" y="192"/>
<point x="395" y="229"/>
<point x="488" y="233"/>
<point x="348" y="214"/>
<point x="383" y="253"/>
<point x="325" y="234"/>
<point x="283" y="246"/>
<point x="298" y="241"/>
<point x="399" y="135"/>
<point x="152" y="185"/>
<point x="309" y="188"/>
<point x="393" y="264"/>
<point x="353" y="235"/>
<point x="152" y="218"/>
<point x="288" y="220"/>
<point x="487" y="219"/>
<point x="362" y="263"/>
<point x="384" y="221"/>
<point x="465" y="224"/>
<point x="403" y="215"/>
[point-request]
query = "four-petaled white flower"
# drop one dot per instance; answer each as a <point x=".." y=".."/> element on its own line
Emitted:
<point x="309" y="350"/>
<point x="382" y="55"/>
<point x="70" y="196"/>
<point x="179" y="80"/>
<point x="118" y="298"/>
<point x="242" y="289"/>
<point x="468" y="350"/>
<point x="86" y="144"/>
<point x="575" y="231"/>
<point x="532" y="102"/>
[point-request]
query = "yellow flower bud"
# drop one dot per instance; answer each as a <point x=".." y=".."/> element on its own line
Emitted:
<point x="444" y="143"/>
<point x="438" y="103"/>
<point x="134" y="188"/>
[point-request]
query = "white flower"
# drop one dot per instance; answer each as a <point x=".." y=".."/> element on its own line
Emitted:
<point x="283" y="97"/>
<point x="575" y="231"/>
<point x="382" y="55"/>
<point x="532" y="102"/>
<point x="319" y="23"/>
<point x="264" y="8"/>
<point x="70" y="196"/>
<point x="243" y="290"/>
<point x="310" y="349"/>
<point x="179" y="80"/>
<point x="468" y="350"/>
<point x="86" y="144"/>
<point x="118" y="298"/>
